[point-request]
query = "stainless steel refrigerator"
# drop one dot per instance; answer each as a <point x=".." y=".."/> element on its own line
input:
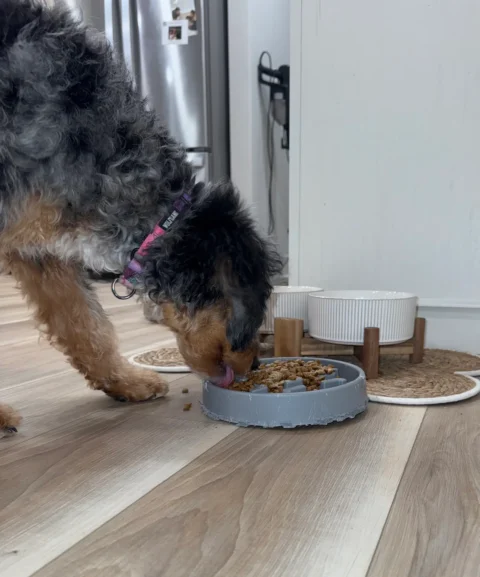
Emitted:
<point x="176" y="51"/>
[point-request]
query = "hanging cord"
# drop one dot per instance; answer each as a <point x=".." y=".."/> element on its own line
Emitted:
<point x="271" y="159"/>
<point x="270" y="151"/>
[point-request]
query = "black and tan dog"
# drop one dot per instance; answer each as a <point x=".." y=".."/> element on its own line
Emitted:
<point x="86" y="172"/>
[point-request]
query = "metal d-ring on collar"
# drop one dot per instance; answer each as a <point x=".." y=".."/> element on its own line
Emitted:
<point x="121" y="297"/>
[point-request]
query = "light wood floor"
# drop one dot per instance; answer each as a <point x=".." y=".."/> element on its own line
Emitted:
<point x="94" y="488"/>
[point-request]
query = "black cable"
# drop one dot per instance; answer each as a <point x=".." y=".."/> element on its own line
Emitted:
<point x="270" y="151"/>
<point x="271" y="160"/>
<point x="268" y="55"/>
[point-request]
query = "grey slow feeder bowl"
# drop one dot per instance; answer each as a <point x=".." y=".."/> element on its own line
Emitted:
<point x="343" y="396"/>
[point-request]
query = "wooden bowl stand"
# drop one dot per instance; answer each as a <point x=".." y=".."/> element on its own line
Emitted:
<point x="289" y="340"/>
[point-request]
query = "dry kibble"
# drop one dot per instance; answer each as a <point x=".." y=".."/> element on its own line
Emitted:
<point x="185" y="391"/>
<point x="187" y="406"/>
<point x="274" y="375"/>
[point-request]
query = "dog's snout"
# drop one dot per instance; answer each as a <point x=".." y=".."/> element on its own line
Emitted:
<point x="255" y="364"/>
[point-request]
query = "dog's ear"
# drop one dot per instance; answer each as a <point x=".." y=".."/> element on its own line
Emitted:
<point x="214" y="253"/>
<point x="246" y="285"/>
<point x="246" y="316"/>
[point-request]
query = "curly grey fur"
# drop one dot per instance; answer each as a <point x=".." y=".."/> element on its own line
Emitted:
<point x="72" y="127"/>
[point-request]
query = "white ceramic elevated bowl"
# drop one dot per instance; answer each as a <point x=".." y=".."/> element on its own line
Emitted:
<point x="341" y="316"/>
<point x="288" y="302"/>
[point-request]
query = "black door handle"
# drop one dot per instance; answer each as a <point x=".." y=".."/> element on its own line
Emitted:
<point x="199" y="149"/>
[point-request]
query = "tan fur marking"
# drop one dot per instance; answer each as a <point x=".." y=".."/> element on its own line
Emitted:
<point x="36" y="225"/>
<point x="69" y="314"/>
<point x="202" y="340"/>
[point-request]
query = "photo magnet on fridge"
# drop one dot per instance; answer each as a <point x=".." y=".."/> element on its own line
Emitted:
<point x="185" y="10"/>
<point x="175" y="32"/>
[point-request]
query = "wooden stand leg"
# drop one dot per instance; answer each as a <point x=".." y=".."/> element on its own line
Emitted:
<point x="371" y="352"/>
<point x="418" y="341"/>
<point x="288" y="334"/>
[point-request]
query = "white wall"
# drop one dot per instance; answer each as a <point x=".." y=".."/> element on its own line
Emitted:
<point x="254" y="26"/>
<point x="385" y="175"/>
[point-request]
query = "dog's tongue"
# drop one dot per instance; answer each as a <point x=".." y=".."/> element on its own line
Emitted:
<point x="226" y="380"/>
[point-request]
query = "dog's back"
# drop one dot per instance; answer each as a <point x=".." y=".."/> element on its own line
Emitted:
<point x="35" y="89"/>
<point x="71" y="124"/>
<point x="15" y="15"/>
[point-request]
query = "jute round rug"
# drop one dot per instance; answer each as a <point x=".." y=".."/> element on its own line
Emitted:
<point x="162" y="360"/>
<point x="433" y="381"/>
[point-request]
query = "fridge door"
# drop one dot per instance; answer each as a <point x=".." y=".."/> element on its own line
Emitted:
<point x="171" y="76"/>
<point x="90" y="11"/>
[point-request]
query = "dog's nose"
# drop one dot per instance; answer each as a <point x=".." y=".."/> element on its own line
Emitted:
<point x="255" y="364"/>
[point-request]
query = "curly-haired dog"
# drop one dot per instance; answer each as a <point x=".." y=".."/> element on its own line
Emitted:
<point x="86" y="172"/>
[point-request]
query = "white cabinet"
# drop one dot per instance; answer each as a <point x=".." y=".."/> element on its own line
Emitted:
<point x="385" y="153"/>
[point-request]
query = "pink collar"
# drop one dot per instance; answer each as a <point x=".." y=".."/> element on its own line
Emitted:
<point x="132" y="274"/>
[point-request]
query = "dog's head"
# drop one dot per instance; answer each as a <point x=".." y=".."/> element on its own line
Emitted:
<point x="213" y="273"/>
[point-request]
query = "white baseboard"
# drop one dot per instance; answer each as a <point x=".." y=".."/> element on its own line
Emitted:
<point x="450" y="327"/>
<point x="448" y="304"/>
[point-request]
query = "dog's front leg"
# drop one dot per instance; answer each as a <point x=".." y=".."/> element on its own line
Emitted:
<point x="68" y="311"/>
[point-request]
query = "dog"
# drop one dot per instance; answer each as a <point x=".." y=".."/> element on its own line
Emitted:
<point x="87" y="172"/>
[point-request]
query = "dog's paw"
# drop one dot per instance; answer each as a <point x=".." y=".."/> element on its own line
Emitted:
<point x="137" y="385"/>
<point x="9" y="419"/>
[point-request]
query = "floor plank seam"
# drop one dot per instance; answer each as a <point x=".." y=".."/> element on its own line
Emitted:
<point x="126" y="354"/>
<point x="6" y="323"/>
<point x="18" y="441"/>
<point x="123" y="511"/>
<point x="37" y="380"/>
<point x="387" y="517"/>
